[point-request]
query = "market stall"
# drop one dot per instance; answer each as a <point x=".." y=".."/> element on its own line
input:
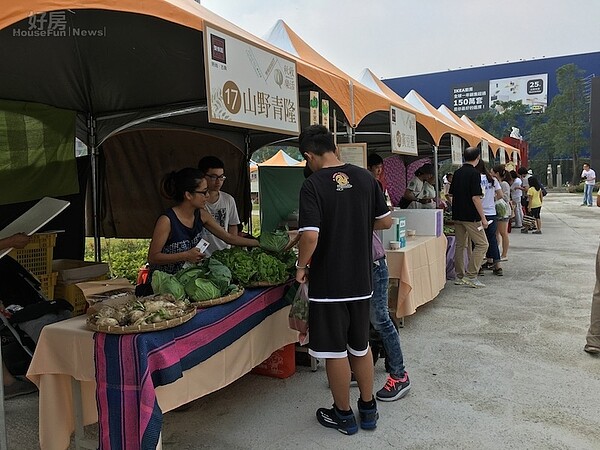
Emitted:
<point x="126" y="382"/>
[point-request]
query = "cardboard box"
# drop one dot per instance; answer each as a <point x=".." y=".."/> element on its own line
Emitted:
<point x="98" y="291"/>
<point x="72" y="271"/>
<point x="426" y="222"/>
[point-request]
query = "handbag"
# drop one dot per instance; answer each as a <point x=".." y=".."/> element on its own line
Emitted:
<point x="298" y="316"/>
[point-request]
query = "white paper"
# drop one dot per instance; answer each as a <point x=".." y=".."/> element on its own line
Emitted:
<point x="35" y="218"/>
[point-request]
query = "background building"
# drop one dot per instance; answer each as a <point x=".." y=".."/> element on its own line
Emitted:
<point x="473" y="90"/>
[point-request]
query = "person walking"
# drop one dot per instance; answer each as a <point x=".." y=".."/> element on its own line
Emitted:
<point x="516" y="193"/>
<point x="503" y="176"/>
<point x="469" y="219"/>
<point x="492" y="192"/>
<point x="589" y="175"/>
<point x="397" y="384"/>
<point x="340" y="206"/>
<point x="592" y="345"/>
<point x="534" y="202"/>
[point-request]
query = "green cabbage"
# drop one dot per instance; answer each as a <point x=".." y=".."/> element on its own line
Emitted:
<point x="220" y="275"/>
<point x="164" y="283"/>
<point x="200" y="290"/>
<point x="274" y="241"/>
<point x="191" y="273"/>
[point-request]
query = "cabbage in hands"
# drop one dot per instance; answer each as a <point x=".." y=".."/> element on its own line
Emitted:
<point x="274" y="241"/>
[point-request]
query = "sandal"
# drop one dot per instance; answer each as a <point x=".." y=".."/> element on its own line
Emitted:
<point x="498" y="271"/>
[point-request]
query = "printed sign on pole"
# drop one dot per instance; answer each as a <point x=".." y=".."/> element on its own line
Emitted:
<point x="314" y="108"/>
<point x="485" y="151"/>
<point x="249" y="86"/>
<point x="456" y="147"/>
<point x="403" y="131"/>
<point x="502" y="151"/>
<point x="325" y="113"/>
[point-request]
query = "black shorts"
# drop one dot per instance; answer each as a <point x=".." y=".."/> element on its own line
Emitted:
<point x="336" y="328"/>
<point x="535" y="212"/>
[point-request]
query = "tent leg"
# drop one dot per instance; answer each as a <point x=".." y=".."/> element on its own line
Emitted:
<point x="94" y="163"/>
<point x="437" y="175"/>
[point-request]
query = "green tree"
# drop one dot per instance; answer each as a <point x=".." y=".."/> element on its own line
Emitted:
<point x="567" y="122"/>
<point x="498" y="121"/>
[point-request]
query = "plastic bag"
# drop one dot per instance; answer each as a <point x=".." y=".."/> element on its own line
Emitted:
<point x="502" y="209"/>
<point x="298" y="317"/>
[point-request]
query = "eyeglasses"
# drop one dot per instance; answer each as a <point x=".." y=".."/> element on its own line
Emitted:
<point x="204" y="192"/>
<point x="216" y="177"/>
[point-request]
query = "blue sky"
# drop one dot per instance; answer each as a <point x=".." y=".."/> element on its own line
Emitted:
<point x="400" y="37"/>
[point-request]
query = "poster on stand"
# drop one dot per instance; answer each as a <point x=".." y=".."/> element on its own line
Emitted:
<point x="249" y="86"/>
<point x="403" y="131"/>
<point x="353" y="154"/>
<point x="485" y="150"/>
<point x="456" y="148"/>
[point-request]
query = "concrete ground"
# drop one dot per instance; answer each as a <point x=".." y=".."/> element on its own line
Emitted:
<point x="495" y="368"/>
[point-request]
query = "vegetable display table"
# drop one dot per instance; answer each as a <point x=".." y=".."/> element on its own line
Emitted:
<point x="420" y="268"/>
<point x="126" y="382"/>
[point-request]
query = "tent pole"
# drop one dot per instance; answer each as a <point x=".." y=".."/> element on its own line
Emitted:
<point x="437" y="175"/>
<point x="3" y="441"/>
<point x="94" y="163"/>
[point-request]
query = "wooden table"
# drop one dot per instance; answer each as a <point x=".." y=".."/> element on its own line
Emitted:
<point x="64" y="369"/>
<point x="420" y="269"/>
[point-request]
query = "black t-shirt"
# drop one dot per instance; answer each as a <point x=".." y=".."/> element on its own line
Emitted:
<point x="341" y="203"/>
<point x="466" y="183"/>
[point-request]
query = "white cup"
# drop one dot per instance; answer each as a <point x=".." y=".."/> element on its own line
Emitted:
<point x="394" y="245"/>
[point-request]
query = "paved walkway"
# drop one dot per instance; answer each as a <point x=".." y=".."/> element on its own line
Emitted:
<point x="495" y="368"/>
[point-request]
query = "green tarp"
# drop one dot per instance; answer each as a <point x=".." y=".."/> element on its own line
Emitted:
<point x="279" y="190"/>
<point x="37" y="152"/>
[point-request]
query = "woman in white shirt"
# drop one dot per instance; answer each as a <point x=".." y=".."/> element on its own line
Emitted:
<point x="491" y="192"/>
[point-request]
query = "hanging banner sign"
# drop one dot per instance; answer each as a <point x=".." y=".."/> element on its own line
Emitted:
<point x="314" y="108"/>
<point x="485" y="150"/>
<point x="515" y="157"/>
<point x="502" y="151"/>
<point x="456" y="148"/>
<point x="325" y="113"/>
<point x="249" y="86"/>
<point x="403" y="131"/>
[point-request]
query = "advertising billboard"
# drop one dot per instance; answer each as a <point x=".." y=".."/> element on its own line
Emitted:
<point x="531" y="90"/>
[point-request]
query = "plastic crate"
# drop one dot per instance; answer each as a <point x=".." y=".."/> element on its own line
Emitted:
<point x="48" y="283"/>
<point x="281" y="364"/>
<point x="74" y="295"/>
<point x="37" y="255"/>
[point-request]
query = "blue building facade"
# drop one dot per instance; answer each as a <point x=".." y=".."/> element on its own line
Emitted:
<point x="534" y="81"/>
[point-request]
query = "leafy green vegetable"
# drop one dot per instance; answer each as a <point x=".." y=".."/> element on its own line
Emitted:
<point x="219" y="274"/>
<point x="238" y="261"/>
<point x="200" y="290"/>
<point x="269" y="268"/>
<point x="164" y="283"/>
<point x="274" y="241"/>
<point x="191" y="273"/>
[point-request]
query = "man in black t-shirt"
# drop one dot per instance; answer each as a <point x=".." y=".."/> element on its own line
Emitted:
<point x="469" y="219"/>
<point x="340" y="205"/>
